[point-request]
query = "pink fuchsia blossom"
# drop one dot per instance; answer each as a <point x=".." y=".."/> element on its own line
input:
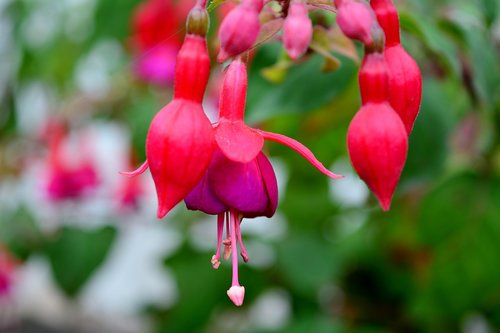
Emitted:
<point x="297" y="30"/>
<point x="376" y="138"/>
<point x="67" y="176"/>
<point x="240" y="181"/>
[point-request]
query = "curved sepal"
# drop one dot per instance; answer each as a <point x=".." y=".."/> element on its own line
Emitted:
<point x="301" y="149"/>
<point x="139" y="171"/>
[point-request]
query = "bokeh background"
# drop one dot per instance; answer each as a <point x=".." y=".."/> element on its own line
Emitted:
<point x="81" y="249"/>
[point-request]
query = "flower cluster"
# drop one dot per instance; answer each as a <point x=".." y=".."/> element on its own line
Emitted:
<point x="391" y="89"/>
<point x="216" y="168"/>
<point x="219" y="168"/>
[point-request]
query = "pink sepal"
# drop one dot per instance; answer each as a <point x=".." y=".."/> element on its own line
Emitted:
<point x="301" y="149"/>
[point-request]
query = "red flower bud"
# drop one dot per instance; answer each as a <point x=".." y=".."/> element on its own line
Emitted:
<point x="356" y="20"/>
<point x="376" y="138"/>
<point x="240" y="29"/>
<point x="180" y="140"/>
<point x="297" y="30"/>
<point x="405" y="80"/>
<point x="179" y="148"/>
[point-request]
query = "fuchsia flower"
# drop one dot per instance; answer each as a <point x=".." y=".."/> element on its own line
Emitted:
<point x="240" y="29"/>
<point x="219" y="170"/>
<point x="405" y="80"/>
<point x="240" y="181"/>
<point x="68" y="177"/>
<point x="297" y="30"/>
<point x="376" y="138"/>
<point x="356" y="20"/>
<point x="180" y="140"/>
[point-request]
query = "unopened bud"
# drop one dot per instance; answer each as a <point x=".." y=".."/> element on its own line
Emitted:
<point x="356" y="20"/>
<point x="297" y="30"/>
<point x="240" y="29"/>
<point x="197" y="21"/>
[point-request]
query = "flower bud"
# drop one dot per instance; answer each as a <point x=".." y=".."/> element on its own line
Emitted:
<point x="179" y="148"/>
<point x="378" y="145"/>
<point x="356" y="20"/>
<point x="376" y="138"/>
<point x="192" y="69"/>
<point x="297" y="30"/>
<point x="240" y="29"/>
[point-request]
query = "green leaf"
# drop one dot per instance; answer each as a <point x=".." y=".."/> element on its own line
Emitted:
<point x="459" y="225"/>
<point x="307" y="263"/>
<point x="20" y="233"/>
<point x="75" y="254"/>
<point x="304" y="89"/>
<point x="435" y="41"/>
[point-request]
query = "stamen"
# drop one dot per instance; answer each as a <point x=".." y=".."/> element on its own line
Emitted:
<point x="243" y="251"/>
<point x="227" y="241"/>
<point x="220" y="230"/>
<point x="236" y="293"/>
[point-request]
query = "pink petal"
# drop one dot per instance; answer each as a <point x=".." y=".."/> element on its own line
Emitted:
<point x="301" y="149"/>
<point x="237" y="141"/>
<point x="238" y="185"/>
<point x="270" y="183"/>
<point x="140" y="170"/>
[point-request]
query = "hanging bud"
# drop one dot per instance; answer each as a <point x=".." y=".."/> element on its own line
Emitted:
<point x="376" y="138"/>
<point x="405" y="80"/>
<point x="179" y="147"/>
<point x="240" y="29"/>
<point x="297" y="30"/>
<point x="180" y="140"/>
<point x="356" y="20"/>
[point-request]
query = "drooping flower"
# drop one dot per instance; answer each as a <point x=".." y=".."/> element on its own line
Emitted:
<point x="180" y="140"/>
<point x="297" y="30"/>
<point x="240" y="29"/>
<point x="376" y="138"/>
<point x="405" y="80"/>
<point x="240" y="181"/>
<point x="156" y="40"/>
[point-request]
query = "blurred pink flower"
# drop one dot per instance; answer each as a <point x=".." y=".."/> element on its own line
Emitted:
<point x="157" y="37"/>
<point x="69" y="176"/>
